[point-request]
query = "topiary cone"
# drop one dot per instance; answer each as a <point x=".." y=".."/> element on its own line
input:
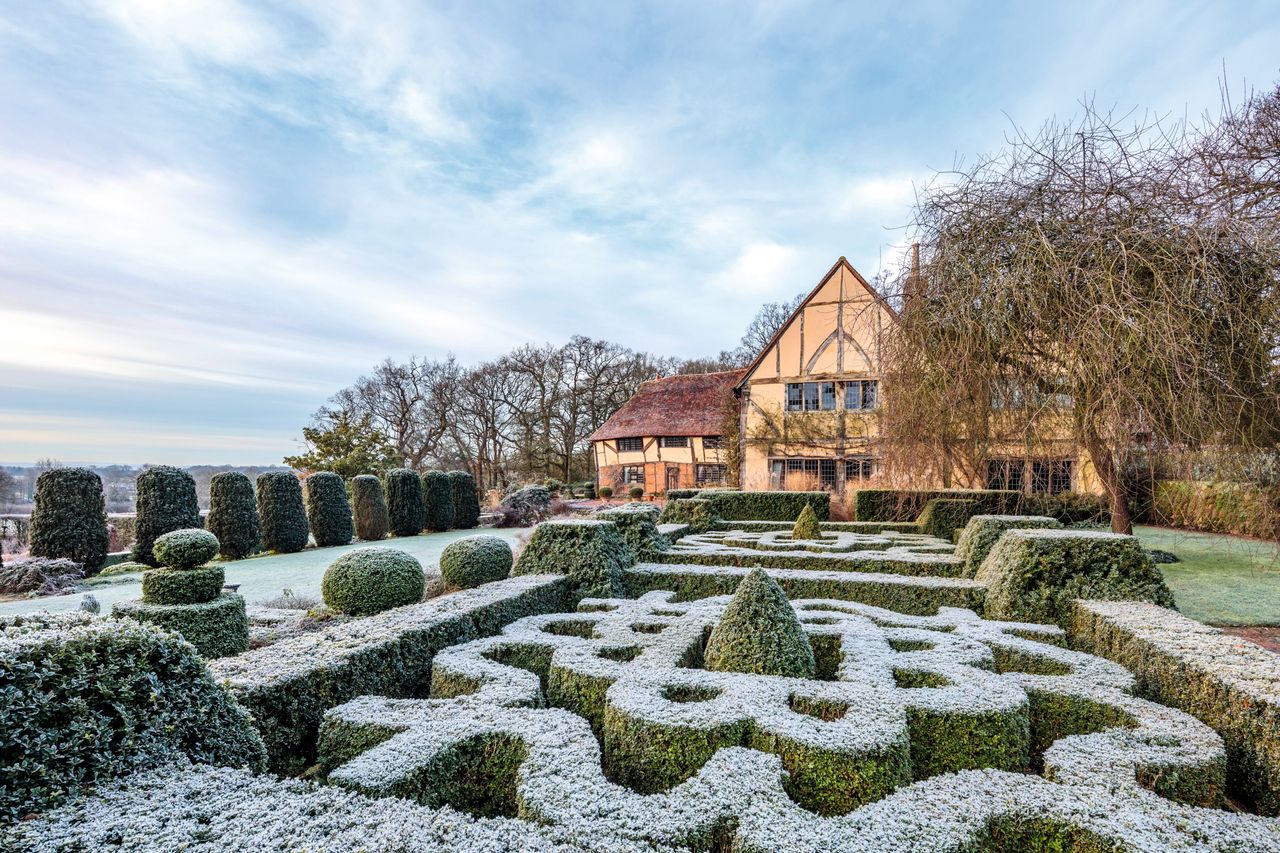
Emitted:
<point x="807" y="526"/>
<point x="759" y="633"/>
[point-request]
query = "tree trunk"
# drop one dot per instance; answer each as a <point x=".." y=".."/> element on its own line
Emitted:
<point x="1104" y="463"/>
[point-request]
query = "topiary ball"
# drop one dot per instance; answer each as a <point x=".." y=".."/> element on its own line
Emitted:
<point x="185" y="549"/>
<point x="474" y="560"/>
<point x="369" y="580"/>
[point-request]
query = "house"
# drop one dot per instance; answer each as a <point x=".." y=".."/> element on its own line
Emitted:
<point x="808" y="409"/>
<point x="669" y="435"/>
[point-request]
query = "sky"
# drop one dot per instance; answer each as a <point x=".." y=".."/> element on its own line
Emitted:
<point x="216" y="213"/>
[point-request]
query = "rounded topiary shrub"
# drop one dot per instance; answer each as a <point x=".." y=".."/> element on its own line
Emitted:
<point x="405" y="507"/>
<point x="759" y="633"/>
<point x="284" y="519"/>
<point x="233" y="515"/>
<point x="328" y="511"/>
<point x="370" y="506"/>
<point x="369" y="580"/>
<point x="437" y="495"/>
<point x="182" y="586"/>
<point x="635" y="493"/>
<point x="70" y="521"/>
<point x="166" y="501"/>
<point x="185" y="549"/>
<point x="466" y="500"/>
<point x="474" y="560"/>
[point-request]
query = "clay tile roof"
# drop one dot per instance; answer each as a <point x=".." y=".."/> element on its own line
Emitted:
<point x="692" y="404"/>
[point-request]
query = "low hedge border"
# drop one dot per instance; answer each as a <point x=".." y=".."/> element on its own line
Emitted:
<point x="695" y="513"/>
<point x="1229" y="683"/>
<point x="941" y="516"/>
<point x="289" y="685"/>
<point x="766" y="506"/>
<point x="983" y="531"/>
<point x="907" y="504"/>
<point x="216" y="628"/>
<point x="828" y="526"/>
<point x="592" y="552"/>
<point x="638" y="524"/>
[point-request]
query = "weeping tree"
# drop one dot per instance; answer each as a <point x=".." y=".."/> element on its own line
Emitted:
<point x="1109" y="280"/>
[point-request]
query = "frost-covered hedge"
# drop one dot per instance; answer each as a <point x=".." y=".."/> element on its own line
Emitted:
<point x="370" y="580"/>
<point x="983" y="531"/>
<point x="1033" y="575"/>
<point x="185" y="549"/>
<point x="281" y="510"/>
<point x="697" y="513"/>
<point x="891" y="552"/>
<point x="466" y="500"/>
<point x="166" y="501"/>
<point x="85" y="699"/>
<point x="1229" y="683"/>
<point x="328" y="510"/>
<point x="907" y="504"/>
<point x="288" y="686"/>
<point x="766" y="506"/>
<point x="475" y="560"/>
<point x="943" y="516"/>
<point x="233" y="515"/>
<point x="638" y="524"/>
<point x="437" y="497"/>
<point x="406" y="510"/>
<point x="759" y="633"/>
<point x="69" y="520"/>
<point x="372" y="521"/>
<point x="216" y="628"/>
<point x="592" y="553"/>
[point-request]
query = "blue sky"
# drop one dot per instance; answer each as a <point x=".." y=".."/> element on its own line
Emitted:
<point x="215" y="213"/>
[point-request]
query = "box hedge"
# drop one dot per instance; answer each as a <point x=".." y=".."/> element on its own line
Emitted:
<point x="759" y="633"/>
<point x="86" y="699"/>
<point x="466" y="500"/>
<point x="281" y="510"/>
<point x="166" y="501"/>
<point x="475" y="560"/>
<point x="697" y="513"/>
<point x="942" y="516"/>
<point x="328" y="510"/>
<point x="437" y="499"/>
<point x="233" y="515"/>
<point x="371" y="518"/>
<point x="406" y="510"/>
<point x="766" y="506"/>
<point x="591" y="552"/>
<point x="69" y="520"/>
<point x="369" y="580"/>
<point x="1033" y="575"/>
<point x="907" y="504"/>
<point x="182" y="586"/>
<point x="982" y="532"/>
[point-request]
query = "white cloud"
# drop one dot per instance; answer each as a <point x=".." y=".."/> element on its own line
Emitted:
<point x="758" y="271"/>
<point x="224" y="31"/>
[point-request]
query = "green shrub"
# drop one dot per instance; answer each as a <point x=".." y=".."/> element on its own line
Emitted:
<point x="328" y="510"/>
<point x="182" y="586"/>
<point x="525" y="506"/>
<point x="216" y="628"/>
<point x="592" y="553"/>
<point x="1034" y="575"/>
<point x="635" y="492"/>
<point x="766" y="506"/>
<point x="1068" y="507"/>
<point x="759" y="633"/>
<point x="907" y="504"/>
<point x="681" y="494"/>
<point x="943" y="515"/>
<point x="437" y="497"/>
<point x="695" y="512"/>
<point x="982" y="532"/>
<point x="1242" y="509"/>
<point x="69" y="520"/>
<point x="475" y="560"/>
<point x="606" y="492"/>
<point x="589" y="490"/>
<point x="372" y="521"/>
<point x="638" y="524"/>
<point x="284" y="518"/>
<point x="87" y="699"/>
<point x="370" y="580"/>
<point x="166" y="501"/>
<point x="806" y="526"/>
<point x="405" y="508"/>
<point x="185" y="549"/>
<point x="233" y="515"/>
<point x="466" y="500"/>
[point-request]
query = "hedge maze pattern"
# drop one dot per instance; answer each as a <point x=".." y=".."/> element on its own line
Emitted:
<point x="918" y="733"/>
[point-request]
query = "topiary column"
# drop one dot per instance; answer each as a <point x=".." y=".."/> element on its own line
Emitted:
<point x="437" y="494"/>
<point x="284" y="519"/>
<point x="328" y="510"/>
<point x="466" y="500"/>
<point x="233" y="515"/>
<point x="166" y="502"/>
<point x="759" y="633"/>
<point x="186" y="596"/>
<point x="70" y="520"/>
<point x="405" y="507"/>
<point x="371" y="518"/>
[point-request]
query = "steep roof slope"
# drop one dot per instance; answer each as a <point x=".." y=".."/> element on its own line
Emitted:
<point x="691" y="404"/>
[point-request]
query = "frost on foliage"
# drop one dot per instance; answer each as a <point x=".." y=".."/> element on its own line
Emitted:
<point x="891" y="551"/>
<point x="915" y="736"/>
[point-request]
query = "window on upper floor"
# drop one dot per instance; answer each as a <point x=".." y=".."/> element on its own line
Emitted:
<point x="628" y="444"/>
<point x="673" y="441"/>
<point x="811" y="396"/>
<point x="861" y="395"/>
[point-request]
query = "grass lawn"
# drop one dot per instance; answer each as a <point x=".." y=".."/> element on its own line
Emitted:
<point x="1222" y="580"/>
<point x="260" y="577"/>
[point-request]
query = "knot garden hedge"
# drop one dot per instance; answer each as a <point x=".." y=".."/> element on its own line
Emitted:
<point x="573" y="706"/>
